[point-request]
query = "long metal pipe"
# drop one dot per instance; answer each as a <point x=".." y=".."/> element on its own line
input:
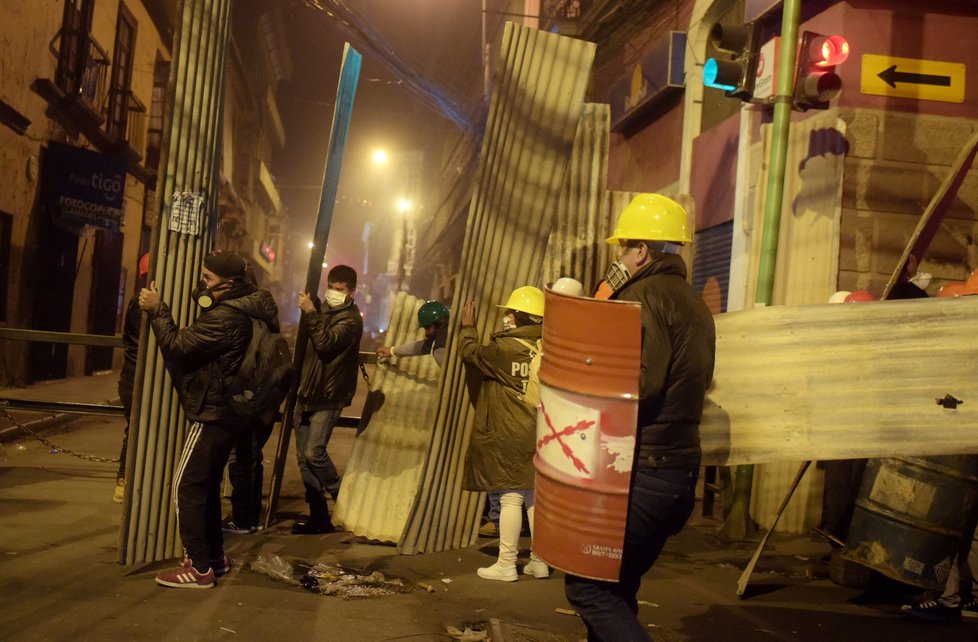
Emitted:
<point x="739" y="524"/>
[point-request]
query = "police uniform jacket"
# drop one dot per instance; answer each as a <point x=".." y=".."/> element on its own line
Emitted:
<point x="500" y="454"/>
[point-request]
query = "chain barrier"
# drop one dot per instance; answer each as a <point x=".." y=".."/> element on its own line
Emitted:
<point x="49" y="444"/>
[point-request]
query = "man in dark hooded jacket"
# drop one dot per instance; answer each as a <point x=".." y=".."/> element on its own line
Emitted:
<point x="678" y="349"/>
<point x="204" y="359"/>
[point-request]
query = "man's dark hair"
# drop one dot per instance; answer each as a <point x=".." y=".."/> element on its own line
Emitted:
<point x="343" y="274"/>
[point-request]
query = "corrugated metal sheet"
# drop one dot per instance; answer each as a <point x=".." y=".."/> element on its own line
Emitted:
<point x="711" y="265"/>
<point x="382" y="475"/>
<point x="538" y="94"/>
<point x="843" y="381"/>
<point x="581" y="221"/>
<point x="806" y="272"/>
<point x="149" y="528"/>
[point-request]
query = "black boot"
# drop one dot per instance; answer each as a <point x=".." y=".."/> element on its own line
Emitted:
<point x="318" y="522"/>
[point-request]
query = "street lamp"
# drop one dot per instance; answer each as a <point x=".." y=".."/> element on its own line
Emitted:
<point x="380" y="157"/>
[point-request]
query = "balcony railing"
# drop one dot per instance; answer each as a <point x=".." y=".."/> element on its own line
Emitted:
<point x="127" y="119"/>
<point x="82" y="68"/>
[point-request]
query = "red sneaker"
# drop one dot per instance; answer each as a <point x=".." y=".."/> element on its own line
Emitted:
<point x="186" y="576"/>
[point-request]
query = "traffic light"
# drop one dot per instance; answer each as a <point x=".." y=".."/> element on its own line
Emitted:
<point x="736" y="71"/>
<point x="816" y="82"/>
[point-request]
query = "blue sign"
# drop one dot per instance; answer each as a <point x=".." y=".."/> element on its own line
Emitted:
<point x="83" y="187"/>
<point x="658" y="71"/>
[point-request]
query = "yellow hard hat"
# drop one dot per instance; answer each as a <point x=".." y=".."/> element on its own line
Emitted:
<point x="526" y="299"/>
<point x="652" y="217"/>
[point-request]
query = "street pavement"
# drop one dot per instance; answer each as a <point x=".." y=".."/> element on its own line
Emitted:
<point x="60" y="578"/>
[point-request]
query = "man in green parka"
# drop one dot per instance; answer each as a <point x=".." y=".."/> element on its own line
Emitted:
<point x="500" y="455"/>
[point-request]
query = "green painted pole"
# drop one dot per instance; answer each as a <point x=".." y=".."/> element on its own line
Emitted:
<point x="739" y="524"/>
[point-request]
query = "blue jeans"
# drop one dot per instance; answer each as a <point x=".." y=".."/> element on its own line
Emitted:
<point x="311" y="438"/>
<point x="660" y="502"/>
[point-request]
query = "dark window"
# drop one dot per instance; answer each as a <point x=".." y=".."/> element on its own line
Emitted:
<point x="120" y="96"/>
<point x="81" y="60"/>
<point x="6" y="223"/>
<point x="154" y="135"/>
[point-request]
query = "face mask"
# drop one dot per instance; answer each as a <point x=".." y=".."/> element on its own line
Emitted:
<point x="617" y="275"/>
<point x="204" y="296"/>
<point x="335" y="298"/>
<point x="509" y="322"/>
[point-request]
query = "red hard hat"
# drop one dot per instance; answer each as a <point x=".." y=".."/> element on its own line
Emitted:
<point x="144" y="265"/>
<point x="859" y="296"/>
<point x="953" y="289"/>
<point x="971" y="283"/>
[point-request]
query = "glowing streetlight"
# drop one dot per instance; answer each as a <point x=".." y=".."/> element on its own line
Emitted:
<point x="380" y="157"/>
<point x="311" y="245"/>
<point x="403" y="205"/>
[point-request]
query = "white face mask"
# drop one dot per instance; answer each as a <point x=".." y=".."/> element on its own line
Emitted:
<point x="335" y="298"/>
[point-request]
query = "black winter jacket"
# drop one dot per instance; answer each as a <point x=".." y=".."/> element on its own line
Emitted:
<point x="678" y="351"/>
<point x="329" y="371"/>
<point x="205" y="356"/>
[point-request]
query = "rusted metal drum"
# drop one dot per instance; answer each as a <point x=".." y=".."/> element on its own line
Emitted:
<point x="910" y="514"/>
<point x="586" y="433"/>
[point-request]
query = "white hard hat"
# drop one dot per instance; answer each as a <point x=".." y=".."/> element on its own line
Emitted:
<point x="839" y="297"/>
<point x="568" y="286"/>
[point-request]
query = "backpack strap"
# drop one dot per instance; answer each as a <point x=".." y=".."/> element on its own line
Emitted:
<point x="534" y="348"/>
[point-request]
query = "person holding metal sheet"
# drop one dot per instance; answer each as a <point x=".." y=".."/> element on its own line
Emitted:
<point x="678" y="350"/>
<point x="433" y="318"/>
<point x="500" y="454"/>
<point x="127" y="375"/>
<point x="204" y="358"/>
<point x="328" y="383"/>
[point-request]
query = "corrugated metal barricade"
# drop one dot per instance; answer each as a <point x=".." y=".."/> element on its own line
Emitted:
<point x="381" y="477"/>
<point x="794" y="383"/>
<point x="149" y="529"/>
<point x="533" y="118"/>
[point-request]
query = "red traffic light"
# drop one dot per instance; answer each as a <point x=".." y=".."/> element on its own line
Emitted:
<point x="828" y="51"/>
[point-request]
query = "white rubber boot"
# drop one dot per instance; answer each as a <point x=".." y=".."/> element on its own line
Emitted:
<point x="536" y="567"/>
<point x="510" y="521"/>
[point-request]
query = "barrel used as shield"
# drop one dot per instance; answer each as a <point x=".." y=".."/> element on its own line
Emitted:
<point x="586" y="426"/>
<point x="910" y="515"/>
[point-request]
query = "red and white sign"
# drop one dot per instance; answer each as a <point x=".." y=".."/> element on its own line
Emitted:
<point x="767" y="69"/>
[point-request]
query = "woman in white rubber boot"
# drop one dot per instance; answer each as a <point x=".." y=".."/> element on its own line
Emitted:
<point x="500" y="454"/>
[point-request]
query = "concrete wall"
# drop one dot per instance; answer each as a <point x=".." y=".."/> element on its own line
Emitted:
<point x="893" y="168"/>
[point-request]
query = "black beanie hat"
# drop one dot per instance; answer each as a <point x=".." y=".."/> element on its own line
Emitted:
<point x="225" y="264"/>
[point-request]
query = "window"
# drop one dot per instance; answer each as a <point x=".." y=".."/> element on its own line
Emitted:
<point x="154" y="135"/>
<point x="81" y="61"/>
<point x="120" y="96"/>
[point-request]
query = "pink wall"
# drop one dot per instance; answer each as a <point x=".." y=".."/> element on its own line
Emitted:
<point x="646" y="157"/>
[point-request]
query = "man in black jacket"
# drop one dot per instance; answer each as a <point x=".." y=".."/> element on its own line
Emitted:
<point x="204" y="359"/>
<point x="678" y="348"/>
<point x="127" y="376"/>
<point x="328" y="383"/>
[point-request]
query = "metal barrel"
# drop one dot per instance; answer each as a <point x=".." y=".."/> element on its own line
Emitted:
<point x="910" y="514"/>
<point x="586" y="425"/>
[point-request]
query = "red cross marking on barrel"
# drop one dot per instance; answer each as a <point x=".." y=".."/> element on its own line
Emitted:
<point x="564" y="432"/>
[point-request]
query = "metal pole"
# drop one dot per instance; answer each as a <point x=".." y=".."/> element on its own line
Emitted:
<point x="345" y="93"/>
<point x="739" y="524"/>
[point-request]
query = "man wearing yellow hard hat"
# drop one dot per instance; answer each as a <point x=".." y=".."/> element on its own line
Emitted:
<point x="678" y="348"/>
<point x="500" y="455"/>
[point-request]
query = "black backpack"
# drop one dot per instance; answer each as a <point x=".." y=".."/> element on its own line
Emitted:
<point x="266" y="373"/>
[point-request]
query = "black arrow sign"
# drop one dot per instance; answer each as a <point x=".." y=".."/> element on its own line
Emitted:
<point x="891" y="77"/>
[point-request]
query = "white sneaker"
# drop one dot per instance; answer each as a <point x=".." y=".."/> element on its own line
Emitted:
<point x="537" y="569"/>
<point x="497" y="572"/>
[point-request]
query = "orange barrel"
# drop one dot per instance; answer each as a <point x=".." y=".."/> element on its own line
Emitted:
<point x="586" y="433"/>
<point x="910" y="515"/>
